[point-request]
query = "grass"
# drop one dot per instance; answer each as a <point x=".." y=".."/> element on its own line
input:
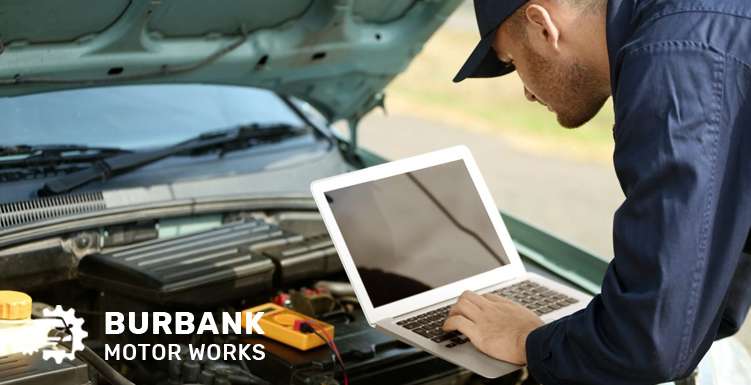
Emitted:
<point x="494" y="105"/>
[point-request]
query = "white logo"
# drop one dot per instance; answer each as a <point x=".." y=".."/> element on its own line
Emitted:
<point x="75" y="337"/>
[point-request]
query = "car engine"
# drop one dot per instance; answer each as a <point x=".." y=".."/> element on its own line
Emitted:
<point x="239" y="260"/>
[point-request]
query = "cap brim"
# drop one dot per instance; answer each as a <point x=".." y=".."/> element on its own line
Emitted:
<point x="483" y="62"/>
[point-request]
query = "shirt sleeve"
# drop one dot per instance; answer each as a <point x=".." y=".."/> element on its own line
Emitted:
<point x="678" y="235"/>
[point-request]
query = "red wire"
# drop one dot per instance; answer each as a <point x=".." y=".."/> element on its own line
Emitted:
<point x="330" y="342"/>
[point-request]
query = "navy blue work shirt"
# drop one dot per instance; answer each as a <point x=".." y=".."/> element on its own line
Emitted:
<point x="680" y="279"/>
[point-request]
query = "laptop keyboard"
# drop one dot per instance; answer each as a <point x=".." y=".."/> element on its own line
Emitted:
<point x="531" y="295"/>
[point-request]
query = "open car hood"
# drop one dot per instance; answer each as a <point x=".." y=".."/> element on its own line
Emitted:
<point x="336" y="54"/>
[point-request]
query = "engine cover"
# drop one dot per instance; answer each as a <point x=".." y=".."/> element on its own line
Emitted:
<point x="205" y="268"/>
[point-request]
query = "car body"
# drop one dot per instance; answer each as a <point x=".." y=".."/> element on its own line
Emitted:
<point x="131" y="77"/>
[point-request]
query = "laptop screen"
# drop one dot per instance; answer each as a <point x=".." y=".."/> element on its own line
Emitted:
<point x="413" y="232"/>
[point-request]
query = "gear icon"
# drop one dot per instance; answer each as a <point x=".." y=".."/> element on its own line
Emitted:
<point x="75" y="338"/>
<point x="28" y="351"/>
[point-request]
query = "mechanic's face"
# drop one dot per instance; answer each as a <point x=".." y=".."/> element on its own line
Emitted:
<point x="551" y="76"/>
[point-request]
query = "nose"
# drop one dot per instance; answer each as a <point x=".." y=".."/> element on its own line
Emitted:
<point x="530" y="96"/>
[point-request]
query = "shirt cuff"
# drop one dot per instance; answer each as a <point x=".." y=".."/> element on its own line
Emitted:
<point x="538" y="351"/>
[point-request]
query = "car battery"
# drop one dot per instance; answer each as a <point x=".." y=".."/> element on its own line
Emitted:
<point x="370" y="357"/>
<point x="313" y="257"/>
<point x="21" y="369"/>
<point x="200" y="269"/>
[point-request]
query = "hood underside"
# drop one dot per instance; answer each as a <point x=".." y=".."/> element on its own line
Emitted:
<point x="336" y="54"/>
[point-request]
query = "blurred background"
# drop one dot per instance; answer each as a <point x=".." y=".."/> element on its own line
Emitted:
<point x="557" y="179"/>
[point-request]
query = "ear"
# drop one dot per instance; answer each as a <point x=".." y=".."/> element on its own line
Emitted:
<point x="542" y="24"/>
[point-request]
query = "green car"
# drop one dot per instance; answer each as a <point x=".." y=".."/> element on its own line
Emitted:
<point x="155" y="158"/>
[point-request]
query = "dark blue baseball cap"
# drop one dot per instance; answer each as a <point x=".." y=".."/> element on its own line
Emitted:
<point x="483" y="62"/>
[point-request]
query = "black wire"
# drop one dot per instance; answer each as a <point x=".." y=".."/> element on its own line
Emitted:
<point x="101" y="366"/>
<point x="90" y="357"/>
<point x="333" y="351"/>
<point x="453" y="220"/>
<point x="337" y="355"/>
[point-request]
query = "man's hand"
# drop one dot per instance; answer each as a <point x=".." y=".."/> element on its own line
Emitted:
<point x="496" y="326"/>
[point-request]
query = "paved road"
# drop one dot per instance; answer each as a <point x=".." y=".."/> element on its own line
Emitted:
<point x="574" y="200"/>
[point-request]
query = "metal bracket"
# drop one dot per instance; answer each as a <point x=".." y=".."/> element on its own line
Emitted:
<point x="352" y="124"/>
<point x="378" y="100"/>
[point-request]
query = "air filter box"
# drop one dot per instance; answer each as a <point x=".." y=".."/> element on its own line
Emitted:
<point x="199" y="269"/>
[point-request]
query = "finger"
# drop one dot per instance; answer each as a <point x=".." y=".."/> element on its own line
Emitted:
<point x="474" y="298"/>
<point x="462" y="325"/>
<point x="465" y="308"/>
<point x="496" y="298"/>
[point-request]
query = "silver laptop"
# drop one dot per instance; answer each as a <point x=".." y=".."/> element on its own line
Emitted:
<point x="413" y="234"/>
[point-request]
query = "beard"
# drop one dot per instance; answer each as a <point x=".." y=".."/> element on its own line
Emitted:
<point x="572" y="90"/>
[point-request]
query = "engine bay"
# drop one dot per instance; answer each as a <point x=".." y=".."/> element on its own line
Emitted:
<point x="219" y="264"/>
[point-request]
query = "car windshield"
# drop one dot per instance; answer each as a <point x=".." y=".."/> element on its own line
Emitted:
<point x="139" y="116"/>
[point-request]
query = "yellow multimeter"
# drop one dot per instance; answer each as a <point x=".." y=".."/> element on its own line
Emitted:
<point x="283" y="325"/>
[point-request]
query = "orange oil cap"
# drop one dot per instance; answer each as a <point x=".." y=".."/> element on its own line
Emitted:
<point x="14" y="305"/>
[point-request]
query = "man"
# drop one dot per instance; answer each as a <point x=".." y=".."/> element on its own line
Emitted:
<point x="680" y="76"/>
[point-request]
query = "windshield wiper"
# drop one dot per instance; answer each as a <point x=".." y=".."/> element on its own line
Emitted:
<point x="241" y="137"/>
<point x="25" y="154"/>
<point x="26" y="161"/>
